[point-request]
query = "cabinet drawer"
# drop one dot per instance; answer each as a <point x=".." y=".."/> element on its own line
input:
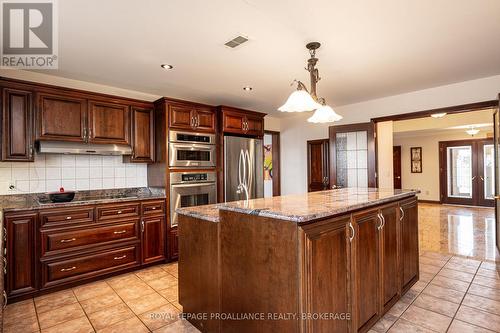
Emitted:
<point x="90" y="265"/>
<point x="153" y="208"/>
<point x="109" y="212"/>
<point x="66" y="216"/>
<point x="57" y="240"/>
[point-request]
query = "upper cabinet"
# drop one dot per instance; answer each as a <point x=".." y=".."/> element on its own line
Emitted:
<point x="238" y="121"/>
<point x="108" y="123"/>
<point x="191" y="117"/>
<point x="61" y="118"/>
<point x="143" y="139"/>
<point x="17" y="134"/>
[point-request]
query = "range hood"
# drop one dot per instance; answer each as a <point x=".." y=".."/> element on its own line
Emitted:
<point x="58" y="147"/>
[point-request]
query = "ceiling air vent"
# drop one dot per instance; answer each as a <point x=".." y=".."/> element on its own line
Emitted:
<point x="237" y="41"/>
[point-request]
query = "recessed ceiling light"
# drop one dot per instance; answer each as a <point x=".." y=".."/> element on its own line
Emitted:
<point x="247" y="88"/>
<point x="166" y="66"/>
<point x="438" y="115"/>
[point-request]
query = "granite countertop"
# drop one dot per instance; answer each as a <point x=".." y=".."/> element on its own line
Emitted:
<point x="33" y="201"/>
<point x="301" y="208"/>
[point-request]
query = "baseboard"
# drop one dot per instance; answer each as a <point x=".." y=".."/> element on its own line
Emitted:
<point x="429" y="201"/>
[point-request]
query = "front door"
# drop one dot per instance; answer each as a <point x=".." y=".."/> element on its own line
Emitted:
<point x="396" y="164"/>
<point x="317" y="165"/>
<point x="466" y="172"/>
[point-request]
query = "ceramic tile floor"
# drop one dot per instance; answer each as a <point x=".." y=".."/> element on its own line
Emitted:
<point x="142" y="301"/>
<point x="455" y="294"/>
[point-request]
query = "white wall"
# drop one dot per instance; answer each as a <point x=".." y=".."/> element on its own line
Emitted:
<point x="427" y="181"/>
<point x="296" y="130"/>
<point x="384" y="155"/>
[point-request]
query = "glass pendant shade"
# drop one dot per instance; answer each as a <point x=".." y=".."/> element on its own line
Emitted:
<point x="324" y="114"/>
<point x="299" y="101"/>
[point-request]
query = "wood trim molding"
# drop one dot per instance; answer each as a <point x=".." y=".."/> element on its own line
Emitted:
<point x="429" y="201"/>
<point x="449" y="110"/>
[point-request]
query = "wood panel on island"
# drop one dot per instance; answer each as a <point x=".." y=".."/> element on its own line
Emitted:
<point x="45" y="112"/>
<point x="55" y="248"/>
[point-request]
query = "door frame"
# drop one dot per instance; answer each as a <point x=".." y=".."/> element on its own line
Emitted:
<point x="400" y="167"/>
<point x="276" y="141"/>
<point x="477" y="185"/>
<point x="326" y="161"/>
<point x="372" y="167"/>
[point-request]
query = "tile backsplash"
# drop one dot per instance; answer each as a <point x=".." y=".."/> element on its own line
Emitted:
<point x="73" y="172"/>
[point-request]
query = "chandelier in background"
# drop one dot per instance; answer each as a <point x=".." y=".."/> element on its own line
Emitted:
<point x="303" y="100"/>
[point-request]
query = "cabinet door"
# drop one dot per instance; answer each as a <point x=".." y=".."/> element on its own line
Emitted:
<point x="409" y="242"/>
<point x="109" y="123"/>
<point x="153" y="239"/>
<point x="255" y="126"/>
<point x="61" y="118"/>
<point x="181" y="116"/>
<point x="366" y="300"/>
<point x="326" y="266"/>
<point x="21" y="254"/>
<point x="143" y="135"/>
<point x="389" y="256"/>
<point x="17" y="138"/>
<point x="173" y="247"/>
<point x="205" y="120"/>
<point x="232" y="122"/>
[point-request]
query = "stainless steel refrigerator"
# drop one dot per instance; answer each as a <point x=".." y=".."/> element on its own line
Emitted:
<point x="243" y="168"/>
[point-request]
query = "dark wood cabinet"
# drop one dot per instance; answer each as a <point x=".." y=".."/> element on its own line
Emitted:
<point x="191" y="116"/>
<point x="61" y="117"/>
<point x="17" y="125"/>
<point x="409" y="243"/>
<point x="173" y="241"/>
<point x="143" y="136"/>
<point x="21" y="253"/>
<point x="109" y="123"/>
<point x="389" y="256"/>
<point x="153" y="239"/>
<point x="327" y="263"/>
<point x="366" y="267"/>
<point x="243" y="122"/>
<point x="318" y="165"/>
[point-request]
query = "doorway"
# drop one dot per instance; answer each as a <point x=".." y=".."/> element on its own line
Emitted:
<point x="317" y="165"/>
<point x="396" y="165"/>
<point x="467" y="172"/>
<point x="272" y="184"/>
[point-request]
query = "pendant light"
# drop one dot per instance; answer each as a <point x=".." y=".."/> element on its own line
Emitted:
<point x="301" y="100"/>
<point x="472" y="131"/>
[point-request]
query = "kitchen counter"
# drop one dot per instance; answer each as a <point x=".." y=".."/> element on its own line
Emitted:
<point x="302" y="208"/>
<point x="20" y="202"/>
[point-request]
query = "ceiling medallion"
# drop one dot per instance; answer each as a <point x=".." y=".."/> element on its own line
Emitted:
<point x="303" y="100"/>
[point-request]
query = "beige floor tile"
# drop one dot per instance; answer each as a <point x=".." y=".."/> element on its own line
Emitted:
<point x="436" y="304"/>
<point x="170" y="293"/>
<point x="399" y="307"/>
<point x="160" y="316"/>
<point x="419" y="286"/>
<point x="429" y="268"/>
<point x="92" y="290"/>
<point x="487" y="282"/>
<point x="433" y="262"/>
<point x="134" y="290"/>
<point x="25" y="325"/>
<point x="151" y="273"/>
<point x="458" y="326"/>
<point x="20" y="311"/>
<point x="491" y="293"/>
<point x="60" y="315"/>
<point x="465" y="261"/>
<point x="100" y="302"/>
<point x="177" y="305"/>
<point x="163" y="283"/>
<point x="450" y="283"/>
<point x="403" y="326"/>
<point x="129" y="325"/>
<point x="79" y="325"/>
<point x="489" y="273"/>
<point x="491" y="265"/>
<point x="436" y="255"/>
<point x="461" y="268"/>
<point x="427" y="319"/>
<point x="482" y="303"/>
<point x="122" y="281"/>
<point x="180" y="326"/>
<point x="457" y="275"/>
<point x="384" y="323"/>
<point x="171" y="267"/>
<point x="109" y="316"/>
<point x="446" y="294"/>
<point x="478" y="318"/>
<point x="54" y="300"/>
<point x="146" y="303"/>
<point x="426" y="277"/>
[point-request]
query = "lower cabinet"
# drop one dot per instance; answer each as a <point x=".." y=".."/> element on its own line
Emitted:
<point x="153" y="239"/>
<point x="409" y="243"/>
<point x="389" y="249"/>
<point x="173" y="241"/>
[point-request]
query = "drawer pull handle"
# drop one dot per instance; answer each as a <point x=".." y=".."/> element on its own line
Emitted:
<point x="68" y="240"/>
<point x="68" y="217"/>
<point x="120" y="232"/>
<point x="68" y="269"/>
<point x="154" y="208"/>
<point x="120" y="257"/>
<point x="119" y="212"/>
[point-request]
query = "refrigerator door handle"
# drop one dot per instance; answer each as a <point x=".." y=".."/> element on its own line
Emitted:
<point x="250" y="171"/>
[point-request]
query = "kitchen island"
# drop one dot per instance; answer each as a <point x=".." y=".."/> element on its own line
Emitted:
<point x="330" y="261"/>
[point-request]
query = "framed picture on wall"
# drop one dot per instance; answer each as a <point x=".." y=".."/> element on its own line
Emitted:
<point x="416" y="159"/>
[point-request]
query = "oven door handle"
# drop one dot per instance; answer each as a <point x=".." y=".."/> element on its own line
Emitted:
<point x="199" y="147"/>
<point x="193" y="185"/>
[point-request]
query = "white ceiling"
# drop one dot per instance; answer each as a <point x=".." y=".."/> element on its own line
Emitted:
<point x="369" y="49"/>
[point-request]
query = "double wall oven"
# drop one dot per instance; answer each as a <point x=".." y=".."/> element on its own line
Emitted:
<point x="192" y="185"/>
